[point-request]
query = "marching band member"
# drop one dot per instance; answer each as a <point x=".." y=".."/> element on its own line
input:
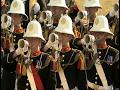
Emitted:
<point x="34" y="72"/>
<point x="70" y="62"/>
<point x="56" y="8"/>
<point x="113" y="19"/>
<point x="17" y="12"/>
<point x="103" y="75"/>
<point x="84" y="24"/>
<point x="4" y="10"/>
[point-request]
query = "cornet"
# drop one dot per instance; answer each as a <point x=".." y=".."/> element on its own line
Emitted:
<point x="46" y="17"/>
<point x="6" y="21"/>
<point x="53" y="42"/>
<point x="82" y="15"/>
<point x="23" y="45"/>
<point x="116" y="7"/>
<point x="88" y="42"/>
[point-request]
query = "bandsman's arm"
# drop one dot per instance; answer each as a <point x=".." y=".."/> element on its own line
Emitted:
<point x="81" y="72"/>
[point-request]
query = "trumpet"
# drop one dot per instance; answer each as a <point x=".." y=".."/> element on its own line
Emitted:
<point x="46" y="17"/>
<point x="23" y="44"/>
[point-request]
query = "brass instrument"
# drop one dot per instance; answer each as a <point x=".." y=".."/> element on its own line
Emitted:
<point x="46" y="18"/>
<point x="116" y="7"/>
<point x="82" y="15"/>
<point x="23" y="44"/>
<point x="53" y="43"/>
<point x="83" y="18"/>
<point x="89" y="50"/>
<point x="7" y="27"/>
<point x="24" y="60"/>
<point x="88" y="42"/>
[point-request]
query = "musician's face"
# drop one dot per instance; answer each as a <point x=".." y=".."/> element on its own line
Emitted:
<point x="2" y="2"/>
<point x="91" y="10"/>
<point x="57" y="11"/>
<point x="64" y="38"/>
<point x="99" y="36"/>
<point x="33" y="42"/>
<point x="17" y="18"/>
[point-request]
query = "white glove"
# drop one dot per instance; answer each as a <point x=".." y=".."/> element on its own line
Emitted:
<point x="47" y="46"/>
<point x="19" y="51"/>
<point x="53" y="42"/>
<point x="87" y="41"/>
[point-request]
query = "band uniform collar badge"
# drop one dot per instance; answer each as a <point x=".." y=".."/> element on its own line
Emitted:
<point x="109" y="59"/>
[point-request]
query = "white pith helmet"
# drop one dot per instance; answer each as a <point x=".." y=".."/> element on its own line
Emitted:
<point x="34" y="30"/>
<point x="65" y="25"/>
<point x="101" y="25"/>
<point x="59" y="3"/>
<point x="92" y="3"/>
<point x="17" y="7"/>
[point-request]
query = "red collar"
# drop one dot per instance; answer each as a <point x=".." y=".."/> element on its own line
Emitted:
<point x="66" y="49"/>
<point x="102" y="46"/>
<point x="19" y="30"/>
<point x="36" y="53"/>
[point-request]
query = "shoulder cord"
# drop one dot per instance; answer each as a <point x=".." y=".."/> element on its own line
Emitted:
<point x="8" y="59"/>
<point x="115" y="60"/>
<point x="65" y="65"/>
<point x="40" y="62"/>
<point x="103" y="60"/>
